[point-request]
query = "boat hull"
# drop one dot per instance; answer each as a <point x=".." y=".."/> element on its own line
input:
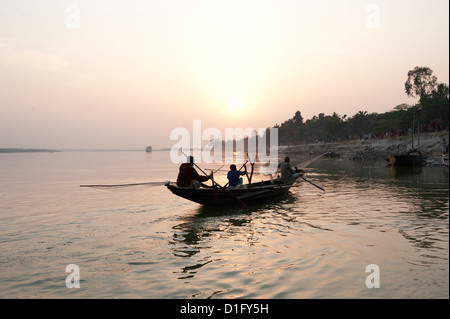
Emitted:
<point x="220" y="197"/>
<point x="407" y="160"/>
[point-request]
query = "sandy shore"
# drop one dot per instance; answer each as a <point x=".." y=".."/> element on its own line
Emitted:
<point x="430" y="146"/>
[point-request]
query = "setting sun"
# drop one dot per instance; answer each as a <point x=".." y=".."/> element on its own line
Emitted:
<point x="235" y="104"/>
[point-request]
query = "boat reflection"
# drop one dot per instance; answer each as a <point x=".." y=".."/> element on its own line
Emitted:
<point x="404" y="171"/>
<point x="192" y="238"/>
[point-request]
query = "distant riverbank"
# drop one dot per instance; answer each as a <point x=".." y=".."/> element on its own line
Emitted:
<point x="430" y="144"/>
<point x="26" y="150"/>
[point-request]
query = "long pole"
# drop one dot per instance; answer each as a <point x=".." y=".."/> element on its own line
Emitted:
<point x="312" y="183"/>
<point x="308" y="162"/>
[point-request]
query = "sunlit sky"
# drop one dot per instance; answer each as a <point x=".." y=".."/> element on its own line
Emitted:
<point x="123" y="74"/>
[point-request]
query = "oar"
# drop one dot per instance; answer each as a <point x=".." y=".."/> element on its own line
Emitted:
<point x="246" y="173"/>
<point x="253" y="167"/>
<point x="305" y="164"/>
<point x="215" y="170"/>
<point x="312" y="183"/>
<point x="124" y="185"/>
<point x="241" y="203"/>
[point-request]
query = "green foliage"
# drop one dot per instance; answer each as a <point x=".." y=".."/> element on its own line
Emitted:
<point x="433" y="107"/>
<point x="421" y="81"/>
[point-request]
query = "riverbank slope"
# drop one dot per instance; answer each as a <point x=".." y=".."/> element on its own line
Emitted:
<point x="430" y="144"/>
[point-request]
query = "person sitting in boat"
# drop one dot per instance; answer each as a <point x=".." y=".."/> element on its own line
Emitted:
<point x="287" y="172"/>
<point x="188" y="176"/>
<point x="233" y="176"/>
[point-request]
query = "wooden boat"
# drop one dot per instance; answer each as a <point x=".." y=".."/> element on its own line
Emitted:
<point x="411" y="158"/>
<point x="216" y="196"/>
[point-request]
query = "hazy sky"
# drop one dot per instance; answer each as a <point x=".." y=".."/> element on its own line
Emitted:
<point x="123" y="74"/>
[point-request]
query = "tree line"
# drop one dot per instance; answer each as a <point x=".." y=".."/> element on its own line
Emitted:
<point x="431" y="113"/>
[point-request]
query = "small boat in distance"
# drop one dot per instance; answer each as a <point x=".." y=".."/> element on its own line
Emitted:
<point x="413" y="157"/>
<point x="410" y="158"/>
<point x="148" y="149"/>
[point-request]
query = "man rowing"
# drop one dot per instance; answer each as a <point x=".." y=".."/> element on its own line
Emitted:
<point x="287" y="172"/>
<point x="188" y="176"/>
<point x="234" y="176"/>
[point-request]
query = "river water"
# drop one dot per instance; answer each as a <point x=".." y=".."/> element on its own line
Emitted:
<point x="144" y="242"/>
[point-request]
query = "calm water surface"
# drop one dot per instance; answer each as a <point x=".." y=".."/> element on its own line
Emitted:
<point x="143" y="242"/>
